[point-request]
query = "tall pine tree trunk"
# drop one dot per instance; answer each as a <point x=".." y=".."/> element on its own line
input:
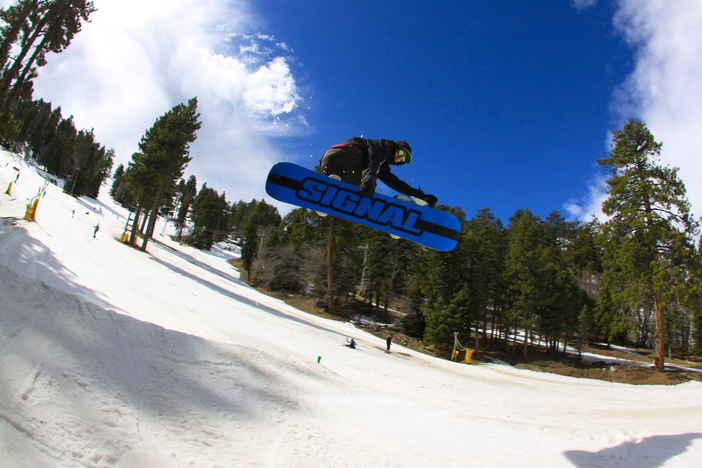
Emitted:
<point x="330" y="267"/>
<point x="142" y="228"/>
<point x="477" y="336"/>
<point x="14" y="71"/>
<point x="16" y="90"/>
<point x="660" y="334"/>
<point x="152" y="218"/>
<point x="135" y="225"/>
<point x="13" y="30"/>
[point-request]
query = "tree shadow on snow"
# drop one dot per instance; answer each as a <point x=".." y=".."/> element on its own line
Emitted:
<point x="89" y="207"/>
<point x="232" y="295"/>
<point x="81" y="345"/>
<point x="192" y="260"/>
<point x="650" y="452"/>
<point x="67" y="360"/>
<point x="27" y="254"/>
<point x="106" y="376"/>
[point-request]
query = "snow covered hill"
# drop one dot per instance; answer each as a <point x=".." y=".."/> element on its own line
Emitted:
<point x="113" y="357"/>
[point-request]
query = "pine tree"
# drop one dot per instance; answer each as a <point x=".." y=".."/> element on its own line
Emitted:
<point x="560" y="312"/>
<point x="63" y="151"/>
<point x="648" y="247"/>
<point x="303" y="227"/>
<point x="210" y="213"/>
<point x="449" y="317"/>
<point x="187" y="192"/>
<point x="525" y="273"/>
<point x="338" y="276"/>
<point x="487" y="266"/>
<point x="263" y="218"/>
<point x="117" y="177"/>
<point x="695" y="303"/>
<point x="32" y="28"/>
<point x="14" y="18"/>
<point x="387" y="262"/>
<point x="584" y="256"/>
<point x="101" y="165"/>
<point x="249" y="249"/>
<point x="56" y="157"/>
<point x="446" y="276"/>
<point x="91" y="164"/>
<point x="164" y="154"/>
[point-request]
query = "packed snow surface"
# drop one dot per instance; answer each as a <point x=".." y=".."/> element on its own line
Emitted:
<point x="114" y="357"/>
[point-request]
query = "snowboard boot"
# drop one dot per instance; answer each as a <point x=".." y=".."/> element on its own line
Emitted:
<point x="331" y="176"/>
<point x="416" y="201"/>
<point x="403" y="198"/>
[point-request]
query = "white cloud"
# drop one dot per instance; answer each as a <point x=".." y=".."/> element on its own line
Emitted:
<point x="582" y="4"/>
<point x="665" y="89"/>
<point x="137" y="59"/>
<point x="591" y="204"/>
<point x="270" y="89"/>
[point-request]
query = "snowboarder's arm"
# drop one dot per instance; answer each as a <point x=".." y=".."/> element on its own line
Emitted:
<point x="394" y="182"/>
<point x="379" y="151"/>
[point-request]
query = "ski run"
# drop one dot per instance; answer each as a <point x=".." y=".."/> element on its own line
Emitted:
<point x="110" y="357"/>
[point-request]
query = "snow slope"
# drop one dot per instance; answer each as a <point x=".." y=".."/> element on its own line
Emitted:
<point x="113" y="357"/>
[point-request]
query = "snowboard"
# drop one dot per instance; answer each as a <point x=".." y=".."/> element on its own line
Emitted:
<point x="436" y="229"/>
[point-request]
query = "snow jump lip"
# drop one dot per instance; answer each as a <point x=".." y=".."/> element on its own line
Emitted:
<point x="340" y="199"/>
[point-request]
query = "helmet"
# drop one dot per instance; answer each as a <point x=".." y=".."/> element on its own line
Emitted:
<point x="406" y="151"/>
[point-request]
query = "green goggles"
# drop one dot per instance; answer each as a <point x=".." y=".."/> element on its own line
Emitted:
<point x="405" y="156"/>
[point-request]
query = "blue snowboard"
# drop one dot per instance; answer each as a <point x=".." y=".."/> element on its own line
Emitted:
<point x="296" y="185"/>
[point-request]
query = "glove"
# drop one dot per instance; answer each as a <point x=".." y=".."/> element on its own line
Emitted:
<point x="368" y="183"/>
<point x="430" y="199"/>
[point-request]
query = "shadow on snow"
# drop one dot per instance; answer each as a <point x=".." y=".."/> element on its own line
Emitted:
<point x="650" y="452"/>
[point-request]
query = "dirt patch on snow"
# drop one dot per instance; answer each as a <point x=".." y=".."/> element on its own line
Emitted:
<point x="635" y="369"/>
<point x="622" y="373"/>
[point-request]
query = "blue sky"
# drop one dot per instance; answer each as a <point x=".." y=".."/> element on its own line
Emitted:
<point x="506" y="104"/>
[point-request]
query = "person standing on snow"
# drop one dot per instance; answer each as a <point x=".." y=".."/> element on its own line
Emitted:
<point x="388" y="342"/>
<point x="360" y="161"/>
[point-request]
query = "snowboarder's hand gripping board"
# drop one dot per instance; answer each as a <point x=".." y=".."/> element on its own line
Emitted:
<point x="296" y="185"/>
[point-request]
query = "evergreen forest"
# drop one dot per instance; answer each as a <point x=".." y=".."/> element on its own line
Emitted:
<point x="633" y="278"/>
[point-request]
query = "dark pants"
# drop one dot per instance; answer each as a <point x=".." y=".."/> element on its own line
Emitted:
<point x="346" y="162"/>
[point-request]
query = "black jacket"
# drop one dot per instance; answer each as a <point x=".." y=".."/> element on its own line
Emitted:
<point x="380" y="155"/>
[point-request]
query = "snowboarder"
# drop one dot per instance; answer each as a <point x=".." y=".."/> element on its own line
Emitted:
<point x="388" y="342"/>
<point x="360" y="161"/>
<point x="351" y="342"/>
<point x="97" y="228"/>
